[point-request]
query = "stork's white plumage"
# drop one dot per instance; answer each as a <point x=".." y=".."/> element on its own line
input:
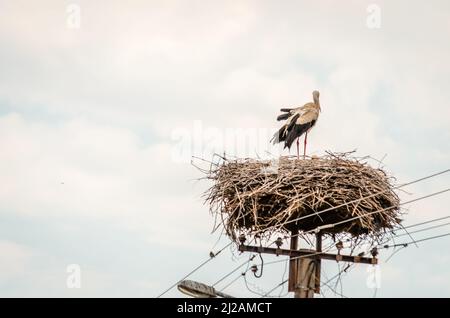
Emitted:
<point x="299" y="121"/>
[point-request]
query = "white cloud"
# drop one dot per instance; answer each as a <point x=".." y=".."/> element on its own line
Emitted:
<point x="14" y="259"/>
<point x="78" y="168"/>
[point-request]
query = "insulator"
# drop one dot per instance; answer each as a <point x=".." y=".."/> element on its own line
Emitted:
<point x="374" y="252"/>
<point x="279" y="242"/>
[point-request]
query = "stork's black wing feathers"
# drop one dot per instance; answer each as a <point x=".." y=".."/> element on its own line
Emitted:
<point x="279" y="136"/>
<point x="287" y="112"/>
<point x="295" y="131"/>
<point x="282" y="133"/>
<point x="283" y="116"/>
<point x="292" y="122"/>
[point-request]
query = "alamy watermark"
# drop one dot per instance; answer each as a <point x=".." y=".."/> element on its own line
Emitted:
<point x="373" y="20"/>
<point x="373" y="280"/>
<point x="203" y="142"/>
<point x="73" y="18"/>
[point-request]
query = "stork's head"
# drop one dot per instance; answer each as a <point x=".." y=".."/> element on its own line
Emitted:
<point x="316" y="95"/>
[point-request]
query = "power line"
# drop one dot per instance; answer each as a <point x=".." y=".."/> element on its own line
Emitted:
<point x="212" y="255"/>
<point x="424" y="229"/>
<point x="293" y="258"/>
<point x="279" y="285"/>
<point x="417" y="231"/>
<point x="421" y="240"/>
<point x="335" y="291"/>
<point x="234" y="270"/>
<point x="284" y="281"/>
<point x="283" y="277"/>
<point x="239" y="266"/>
<point x="260" y="291"/>
<point x="234" y="280"/>
<point x="297" y="257"/>
<point x="278" y="261"/>
<point x="423" y="223"/>
<point x="338" y="282"/>
<point x="338" y="274"/>
<point x="240" y="275"/>
<point x="403" y="228"/>
<point x="301" y="256"/>
<point x="395" y="252"/>
<point x="345" y="269"/>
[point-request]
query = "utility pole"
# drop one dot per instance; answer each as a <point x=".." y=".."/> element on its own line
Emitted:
<point x="305" y="264"/>
<point x="302" y="273"/>
<point x="305" y="278"/>
<point x="293" y="264"/>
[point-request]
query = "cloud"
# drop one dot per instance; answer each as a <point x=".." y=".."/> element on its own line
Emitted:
<point x="82" y="169"/>
<point x="14" y="259"/>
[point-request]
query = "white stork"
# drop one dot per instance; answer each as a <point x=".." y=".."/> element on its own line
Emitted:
<point x="299" y="121"/>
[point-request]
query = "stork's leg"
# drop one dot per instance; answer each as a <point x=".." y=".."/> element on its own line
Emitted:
<point x="298" y="146"/>
<point x="304" y="147"/>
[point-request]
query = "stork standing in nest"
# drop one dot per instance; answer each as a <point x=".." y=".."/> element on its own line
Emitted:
<point x="299" y="121"/>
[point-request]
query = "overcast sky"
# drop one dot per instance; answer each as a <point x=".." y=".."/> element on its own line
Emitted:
<point x="102" y="104"/>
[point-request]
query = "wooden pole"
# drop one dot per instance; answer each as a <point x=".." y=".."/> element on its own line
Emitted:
<point x="309" y="253"/>
<point x="293" y="263"/>
<point x="305" y="278"/>
<point x="301" y="273"/>
<point x="318" y="263"/>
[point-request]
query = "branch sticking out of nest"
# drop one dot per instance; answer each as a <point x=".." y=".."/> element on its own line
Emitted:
<point x="263" y="197"/>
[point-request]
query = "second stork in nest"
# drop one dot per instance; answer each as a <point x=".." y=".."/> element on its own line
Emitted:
<point x="299" y="121"/>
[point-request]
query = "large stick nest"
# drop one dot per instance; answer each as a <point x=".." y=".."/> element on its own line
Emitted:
<point x="264" y="197"/>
